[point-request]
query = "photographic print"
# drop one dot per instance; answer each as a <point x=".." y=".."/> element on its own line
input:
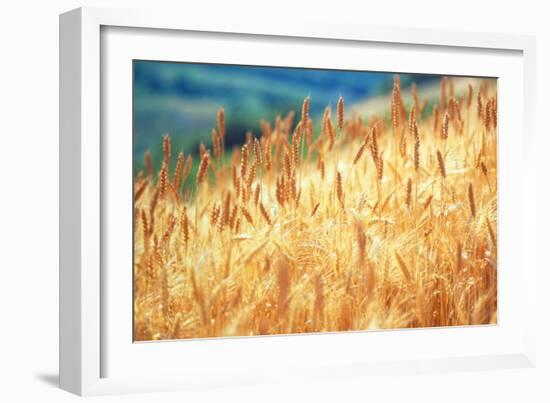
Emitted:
<point x="275" y="200"/>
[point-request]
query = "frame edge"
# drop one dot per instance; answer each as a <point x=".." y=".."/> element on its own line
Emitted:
<point x="70" y="119"/>
<point x="532" y="271"/>
<point x="79" y="350"/>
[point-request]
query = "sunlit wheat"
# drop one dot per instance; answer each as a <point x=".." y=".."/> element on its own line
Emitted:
<point x="302" y="231"/>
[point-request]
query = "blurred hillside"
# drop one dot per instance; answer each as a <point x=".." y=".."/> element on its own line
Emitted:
<point x="182" y="99"/>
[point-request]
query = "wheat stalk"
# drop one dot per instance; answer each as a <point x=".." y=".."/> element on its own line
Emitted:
<point x="472" y="200"/>
<point x="441" y="165"/>
<point x="203" y="167"/>
<point x="340" y="112"/>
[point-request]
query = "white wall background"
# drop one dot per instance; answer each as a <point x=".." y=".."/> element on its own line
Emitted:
<point x="29" y="197"/>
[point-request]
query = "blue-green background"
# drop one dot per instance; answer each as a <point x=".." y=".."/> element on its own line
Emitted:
<point x="182" y="99"/>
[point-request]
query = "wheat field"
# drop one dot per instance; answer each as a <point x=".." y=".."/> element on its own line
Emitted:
<point x="341" y="223"/>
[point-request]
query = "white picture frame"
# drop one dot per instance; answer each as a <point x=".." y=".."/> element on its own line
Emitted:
<point x="83" y="295"/>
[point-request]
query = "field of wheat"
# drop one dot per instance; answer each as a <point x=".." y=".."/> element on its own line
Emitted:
<point x="345" y="223"/>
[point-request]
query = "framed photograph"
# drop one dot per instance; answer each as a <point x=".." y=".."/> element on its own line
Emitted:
<point x="244" y="204"/>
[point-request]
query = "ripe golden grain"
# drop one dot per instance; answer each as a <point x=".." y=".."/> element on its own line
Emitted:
<point x="187" y="168"/>
<point x="339" y="188"/>
<point x="244" y="160"/>
<point x="331" y="133"/>
<point x="221" y="124"/>
<point x="305" y="112"/>
<point x="265" y="214"/>
<point x="203" y="167"/>
<point x="163" y="179"/>
<point x="340" y="112"/>
<point x="247" y="215"/>
<point x="403" y="267"/>
<point x="166" y="148"/>
<point x="441" y="165"/>
<point x="408" y="197"/>
<point x="184" y="220"/>
<point x="315" y="209"/>
<point x="359" y="153"/>
<point x="302" y="236"/>
<point x="416" y="156"/>
<point x="179" y="170"/>
<point x="445" y="127"/>
<point x="472" y="200"/>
